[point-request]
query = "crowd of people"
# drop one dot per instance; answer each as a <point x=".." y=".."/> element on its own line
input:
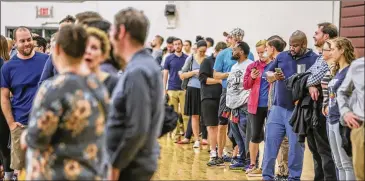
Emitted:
<point x="89" y="104"/>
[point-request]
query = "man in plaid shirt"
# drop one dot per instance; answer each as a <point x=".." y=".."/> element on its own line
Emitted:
<point x="317" y="138"/>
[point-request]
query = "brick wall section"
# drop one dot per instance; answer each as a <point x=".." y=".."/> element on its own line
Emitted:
<point x="352" y="24"/>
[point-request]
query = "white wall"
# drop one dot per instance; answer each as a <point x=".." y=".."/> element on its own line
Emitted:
<point x="259" y="19"/>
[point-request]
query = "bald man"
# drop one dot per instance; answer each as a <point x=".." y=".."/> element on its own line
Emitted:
<point x="278" y="121"/>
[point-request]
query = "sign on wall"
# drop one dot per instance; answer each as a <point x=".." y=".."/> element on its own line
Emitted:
<point x="44" y="12"/>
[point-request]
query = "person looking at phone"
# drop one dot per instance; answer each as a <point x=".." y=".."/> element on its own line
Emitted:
<point x="192" y="104"/>
<point x="255" y="79"/>
<point x="278" y="121"/>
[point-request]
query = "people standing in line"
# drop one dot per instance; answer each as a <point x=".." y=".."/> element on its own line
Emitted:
<point x="350" y="100"/>
<point x="131" y="137"/>
<point x="236" y="103"/>
<point x="98" y="50"/>
<point x="277" y="125"/>
<point x="190" y="71"/>
<point x="187" y="46"/>
<point x="4" y="128"/>
<point x="317" y="138"/>
<point x="172" y="84"/>
<point x="211" y="89"/>
<point x="342" y="53"/>
<point x="20" y="77"/>
<point x="66" y="125"/>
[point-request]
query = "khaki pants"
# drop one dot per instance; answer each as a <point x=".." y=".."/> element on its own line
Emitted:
<point x="357" y="139"/>
<point x="177" y="99"/>
<point x="283" y="158"/>
<point x="17" y="154"/>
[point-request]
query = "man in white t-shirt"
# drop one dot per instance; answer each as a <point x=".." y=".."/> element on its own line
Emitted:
<point x="236" y="102"/>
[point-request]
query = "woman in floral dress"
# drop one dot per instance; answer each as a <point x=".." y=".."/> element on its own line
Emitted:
<point x="66" y="126"/>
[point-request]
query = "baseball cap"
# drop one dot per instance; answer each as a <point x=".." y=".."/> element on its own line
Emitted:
<point x="237" y="33"/>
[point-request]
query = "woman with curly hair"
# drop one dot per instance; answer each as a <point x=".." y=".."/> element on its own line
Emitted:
<point x="343" y="53"/>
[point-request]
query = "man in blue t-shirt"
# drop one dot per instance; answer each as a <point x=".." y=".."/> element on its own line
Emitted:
<point x="172" y="83"/>
<point x="20" y="76"/>
<point x="277" y="125"/>
<point x="222" y="67"/>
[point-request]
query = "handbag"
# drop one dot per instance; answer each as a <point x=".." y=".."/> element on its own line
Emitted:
<point x="185" y="82"/>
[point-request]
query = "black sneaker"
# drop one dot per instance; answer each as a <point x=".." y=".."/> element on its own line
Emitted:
<point x="212" y="161"/>
<point x="219" y="162"/>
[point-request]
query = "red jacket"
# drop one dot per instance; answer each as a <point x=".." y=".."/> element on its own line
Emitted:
<point x="254" y="85"/>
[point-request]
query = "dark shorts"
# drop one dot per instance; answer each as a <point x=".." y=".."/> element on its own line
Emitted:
<point x="222" y="106"/>
<point x="210" y="111"/>
<point x="257" y="124"/>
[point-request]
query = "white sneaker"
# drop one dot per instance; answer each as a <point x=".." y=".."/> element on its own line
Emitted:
<point x="196" y="144"/>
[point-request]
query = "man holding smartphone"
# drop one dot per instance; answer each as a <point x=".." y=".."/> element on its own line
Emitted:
<point x="285" y="65"/>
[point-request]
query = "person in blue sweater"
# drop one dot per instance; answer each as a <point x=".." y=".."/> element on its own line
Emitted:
<point x="278" y="121"/>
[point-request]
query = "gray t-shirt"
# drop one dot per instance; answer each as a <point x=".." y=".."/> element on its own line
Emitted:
<point x="194" y="80"/>
<point x="236" y="95"/>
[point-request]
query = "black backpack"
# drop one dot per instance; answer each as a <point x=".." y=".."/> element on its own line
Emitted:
<point x="170" y="119"/>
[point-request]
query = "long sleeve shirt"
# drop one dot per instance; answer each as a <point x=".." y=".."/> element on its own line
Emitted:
<point x="318" y="70"/>
<point x="136" y="117"/>
<point x="350" y="95"/>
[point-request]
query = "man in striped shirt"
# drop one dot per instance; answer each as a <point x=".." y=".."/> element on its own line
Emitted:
<point x="318" y="143"/>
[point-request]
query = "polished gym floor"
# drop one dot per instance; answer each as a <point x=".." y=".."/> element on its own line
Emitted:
<point x="182" y="162"/>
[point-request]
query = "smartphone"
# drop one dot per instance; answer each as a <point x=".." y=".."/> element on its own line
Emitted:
<point x="278" y="70"/>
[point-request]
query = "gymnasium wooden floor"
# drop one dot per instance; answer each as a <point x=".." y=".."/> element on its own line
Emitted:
<point x="182" y="162"/>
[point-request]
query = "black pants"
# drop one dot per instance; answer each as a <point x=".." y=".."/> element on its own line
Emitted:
<point x="324" y="166"/>
<point x="4" y="141"/>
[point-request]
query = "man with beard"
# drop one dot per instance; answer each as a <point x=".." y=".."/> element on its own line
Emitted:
<point x="156" y="46"/>
<point x="277" y="125"/>
<point x="20" y="77"/>
<point x="172" y="83"/>
<point x="236" y="101"/>
<point x="324" y="166"/>
<point x="170" y="49"/>
<point x="137" y="106"/>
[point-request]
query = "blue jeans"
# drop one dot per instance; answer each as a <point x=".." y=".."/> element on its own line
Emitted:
<point x="276" y="128"/>
<point x="239" y="134"/>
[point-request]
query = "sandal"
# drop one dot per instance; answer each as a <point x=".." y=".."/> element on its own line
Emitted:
<point x="184" y="141"/>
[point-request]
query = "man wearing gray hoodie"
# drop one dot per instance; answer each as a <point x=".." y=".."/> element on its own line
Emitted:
<point x="350" y="99"/>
